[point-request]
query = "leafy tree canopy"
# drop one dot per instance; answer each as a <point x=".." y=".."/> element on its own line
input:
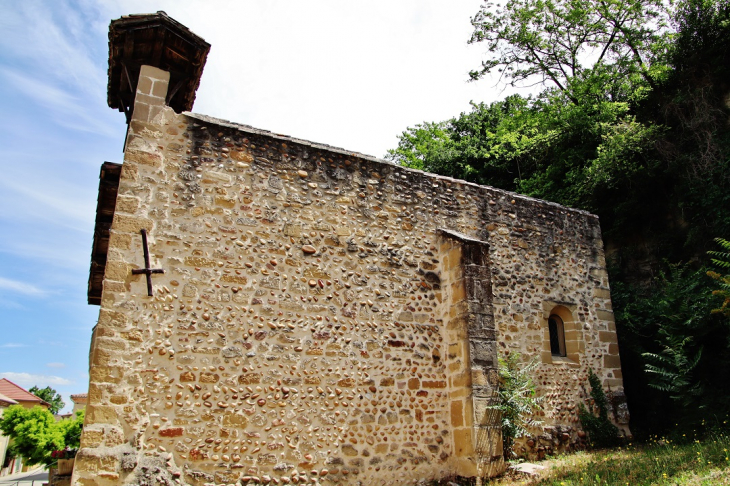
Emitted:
<point x="559" y="42"/>
<point x="35" y="433"/>
<point x="49" y="395"/>
<point x="631" y="124"/>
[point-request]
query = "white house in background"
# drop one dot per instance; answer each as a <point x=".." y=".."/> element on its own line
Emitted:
<point x="79" y="400"/>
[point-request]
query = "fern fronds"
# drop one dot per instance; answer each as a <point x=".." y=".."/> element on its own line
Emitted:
<point x="722" y="258"/>
<point x="672" y="369"/>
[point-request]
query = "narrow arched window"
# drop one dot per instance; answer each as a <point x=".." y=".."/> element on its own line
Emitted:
<point x="557" y="336"/>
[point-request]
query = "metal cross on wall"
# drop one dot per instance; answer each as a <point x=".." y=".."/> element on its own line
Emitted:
<point x="147" y="270"/>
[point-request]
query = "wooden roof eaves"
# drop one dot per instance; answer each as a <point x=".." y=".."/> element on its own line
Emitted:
<point x="169" y="45"/>
<point x="106" y="203"/>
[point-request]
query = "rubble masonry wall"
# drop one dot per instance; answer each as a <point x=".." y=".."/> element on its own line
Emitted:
<point x="313" y="323"/>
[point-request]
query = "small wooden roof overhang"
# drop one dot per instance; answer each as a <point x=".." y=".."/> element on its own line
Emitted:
<point x="154" y="40"/>
<point x="106" y="202"/>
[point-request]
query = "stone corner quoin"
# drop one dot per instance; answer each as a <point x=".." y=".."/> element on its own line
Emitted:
<point x="326" y="317"/>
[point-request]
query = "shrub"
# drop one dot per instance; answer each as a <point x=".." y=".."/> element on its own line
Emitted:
<point x="601" y="432"/>
<point x="516" y="399"/>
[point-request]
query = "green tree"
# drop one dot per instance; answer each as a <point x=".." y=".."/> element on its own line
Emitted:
<point x="557" y="42"/>
<point x="622" y="128"/>
<point x="35" y="433"/>
<point x="423" y="147"/>
<point x="583" y="155"/>
<point x="71" y="430"/>
<point x="492" y="144"/>
<point x="49" y="395"/>
<point x="695" y="147"/>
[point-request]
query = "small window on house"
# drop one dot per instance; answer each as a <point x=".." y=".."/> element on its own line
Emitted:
<point x="557" y="336"/>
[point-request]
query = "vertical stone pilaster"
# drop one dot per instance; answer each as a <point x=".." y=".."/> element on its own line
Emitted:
<point x="476" y="425"/>
<point x="111" y="423"/>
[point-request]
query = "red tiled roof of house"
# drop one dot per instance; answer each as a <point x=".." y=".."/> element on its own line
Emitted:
<point x="17" y="393"/>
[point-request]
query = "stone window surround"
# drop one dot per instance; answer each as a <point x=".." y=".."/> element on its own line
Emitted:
<point x="572" y="334"/>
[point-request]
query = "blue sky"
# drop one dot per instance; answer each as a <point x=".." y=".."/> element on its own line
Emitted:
<point x="349" y="74"/>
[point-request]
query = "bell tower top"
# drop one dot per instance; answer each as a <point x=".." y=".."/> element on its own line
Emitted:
<point x="154" y="40"/>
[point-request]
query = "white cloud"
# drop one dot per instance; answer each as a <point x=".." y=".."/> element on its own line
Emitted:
<point x="20" y="287"/>
<point x="28" y="379"/>
<point x="13" y="345"/>
<point x="71" y="111"/>
<point x="53" y="39"/>
<point x="56" y="365"/>
<point x="64" y="254"/>
<point x="52" y="199"/>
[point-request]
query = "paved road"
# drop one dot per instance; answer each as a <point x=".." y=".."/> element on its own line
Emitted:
<point x="36" y="477"/>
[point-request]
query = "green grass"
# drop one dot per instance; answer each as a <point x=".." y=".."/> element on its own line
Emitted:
<point x="685" y="462"/>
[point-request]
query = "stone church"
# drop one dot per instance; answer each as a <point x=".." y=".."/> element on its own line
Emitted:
<point x="278" y="311"/>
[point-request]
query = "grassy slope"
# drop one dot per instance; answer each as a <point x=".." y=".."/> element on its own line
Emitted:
<point x="662" y="462"/>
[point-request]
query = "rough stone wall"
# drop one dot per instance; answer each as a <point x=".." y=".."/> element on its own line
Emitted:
<point x="549" y="260"/>
<point x="314" y="323"/>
